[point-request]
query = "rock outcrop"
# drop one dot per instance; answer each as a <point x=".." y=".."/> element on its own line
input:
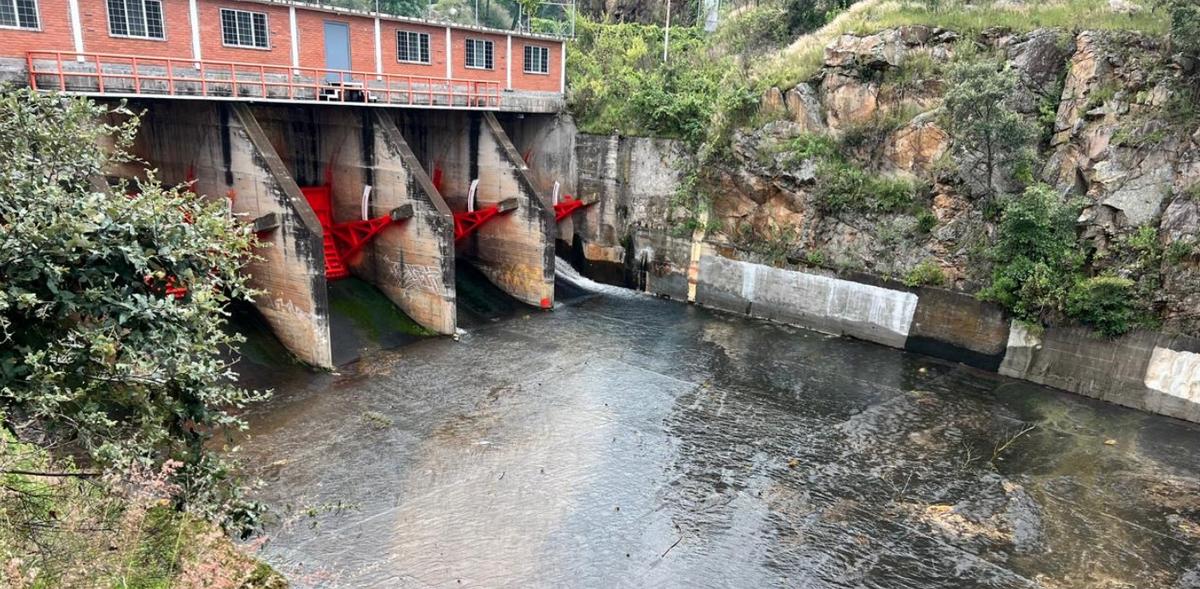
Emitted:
<point x="1119" y="137"/>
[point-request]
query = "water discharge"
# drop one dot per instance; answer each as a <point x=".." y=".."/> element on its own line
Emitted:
<point x="626" y="441"/>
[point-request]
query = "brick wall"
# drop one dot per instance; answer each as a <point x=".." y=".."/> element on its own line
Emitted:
<point x="310" y="27"/>
<point x="212" y="45"/>
<point x="96" y="39"/>
<point x="55" y="33"/>
<point x="437" y="50"/>
<point x="549" y="82"/>
<point x="459" y="56"/>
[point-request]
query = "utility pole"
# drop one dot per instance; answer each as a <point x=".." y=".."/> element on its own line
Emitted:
<point x="667" y="32"/>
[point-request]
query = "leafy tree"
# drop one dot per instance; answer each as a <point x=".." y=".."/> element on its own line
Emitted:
<point x="96" y="353"/>
<point x="990" y="138"/>
<point x="1036" y="258"/>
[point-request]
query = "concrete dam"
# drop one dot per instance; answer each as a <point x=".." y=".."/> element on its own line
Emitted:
<point x="496" y="366"/>
<point x="632" y="440"/>
<point x="625" y="439"/>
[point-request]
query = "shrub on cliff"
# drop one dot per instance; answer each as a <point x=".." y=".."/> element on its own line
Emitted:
<point x="620" y="83"/>
<point x="1185" y="25"/>
<point x="1035" y="257"/>
<point x="1104" y="303"/>
<point x="100" y="352"/>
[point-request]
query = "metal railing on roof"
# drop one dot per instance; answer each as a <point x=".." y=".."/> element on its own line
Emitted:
<point x="131" y="75"/>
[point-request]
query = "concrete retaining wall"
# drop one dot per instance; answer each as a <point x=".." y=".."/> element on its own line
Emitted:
<point x="818" y="302"/>
<point x="229" y="154"/>
<point x="1144" y="370"/>
<point x="661" y="264"/>
<point x="634" y="180"/>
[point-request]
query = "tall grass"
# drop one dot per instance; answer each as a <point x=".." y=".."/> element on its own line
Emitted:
<point x="803" y="59"/>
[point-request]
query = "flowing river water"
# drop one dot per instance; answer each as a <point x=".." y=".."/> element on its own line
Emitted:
<point x="626" y="441"/>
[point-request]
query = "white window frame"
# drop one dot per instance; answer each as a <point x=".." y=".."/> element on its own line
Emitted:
<point x="37" y="15"/>
<point x="545" y="51"/>
<point x="469" y="51"/>
<point x="145" y="20"/>
<point x="266" y="27"/>
<point x="426" y="37"/>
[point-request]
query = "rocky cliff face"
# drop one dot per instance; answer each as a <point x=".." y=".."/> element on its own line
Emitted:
<point x="1121" y="134"/>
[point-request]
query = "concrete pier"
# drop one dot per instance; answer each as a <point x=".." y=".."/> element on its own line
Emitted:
<point x="360" y="149"/>
<point x="223" y="147"/>
<point x="516" y="250"/>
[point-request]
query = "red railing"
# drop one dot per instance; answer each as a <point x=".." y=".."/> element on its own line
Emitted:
<point x="104" y="73"/>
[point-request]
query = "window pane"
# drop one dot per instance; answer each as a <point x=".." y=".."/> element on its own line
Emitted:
<point x="8" y="13"/>
<point x="228" y="27"/>
<point x="245" y="29"/>
<point x="154" y="20"/>
<point x="117" y="18"/>
<point x="135" y="18"/>
<point x="424" y="48"/>
<point x="260" y="30"/>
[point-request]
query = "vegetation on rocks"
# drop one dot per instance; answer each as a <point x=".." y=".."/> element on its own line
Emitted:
<point x="990" y="138"/>
<point x="620" y="83"/>
<point x="103" y="358"/>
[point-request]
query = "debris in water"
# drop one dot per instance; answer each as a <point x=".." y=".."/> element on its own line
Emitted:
<point x="793" y="462"/>
<point x="664" y="554"/>
<point x="1110" y="442"/>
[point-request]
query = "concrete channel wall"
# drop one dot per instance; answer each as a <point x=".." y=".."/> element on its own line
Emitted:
<point x="635" y="179"/>
<point x="229" y="155"/>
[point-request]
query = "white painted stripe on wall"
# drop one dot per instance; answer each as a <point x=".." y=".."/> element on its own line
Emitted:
<point x="508" y="52"/>
<point x="295" y="38"/>
<point x="1174" y="373"/>
<point x="378" y="52"/>
<point x="76" y="27"/>
<point x="194" y="16"/>
<point x="562" y="71"/>
<point x="449" y="55"/>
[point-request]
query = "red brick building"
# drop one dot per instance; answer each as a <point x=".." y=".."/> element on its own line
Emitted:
<point x="190" y="40"/>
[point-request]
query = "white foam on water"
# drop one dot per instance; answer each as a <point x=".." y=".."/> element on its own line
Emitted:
<point x="565" y="271"/>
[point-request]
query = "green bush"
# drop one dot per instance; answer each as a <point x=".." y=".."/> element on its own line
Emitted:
<point x="926" y="221"/>
<point x="618" y="81"/>
<point x="927" y="273"/>
<point x="1185" y="25"/>
<point x="1104" y="303"/>
<point x="753" y="30"/>
<point x="841" y="186"/>
<point x="1035" y="257"/>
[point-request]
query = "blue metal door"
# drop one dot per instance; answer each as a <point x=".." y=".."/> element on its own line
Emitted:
<point x="337" y="49"/>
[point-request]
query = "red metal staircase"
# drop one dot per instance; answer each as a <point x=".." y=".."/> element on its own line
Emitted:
<point x="342" y="241"/>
